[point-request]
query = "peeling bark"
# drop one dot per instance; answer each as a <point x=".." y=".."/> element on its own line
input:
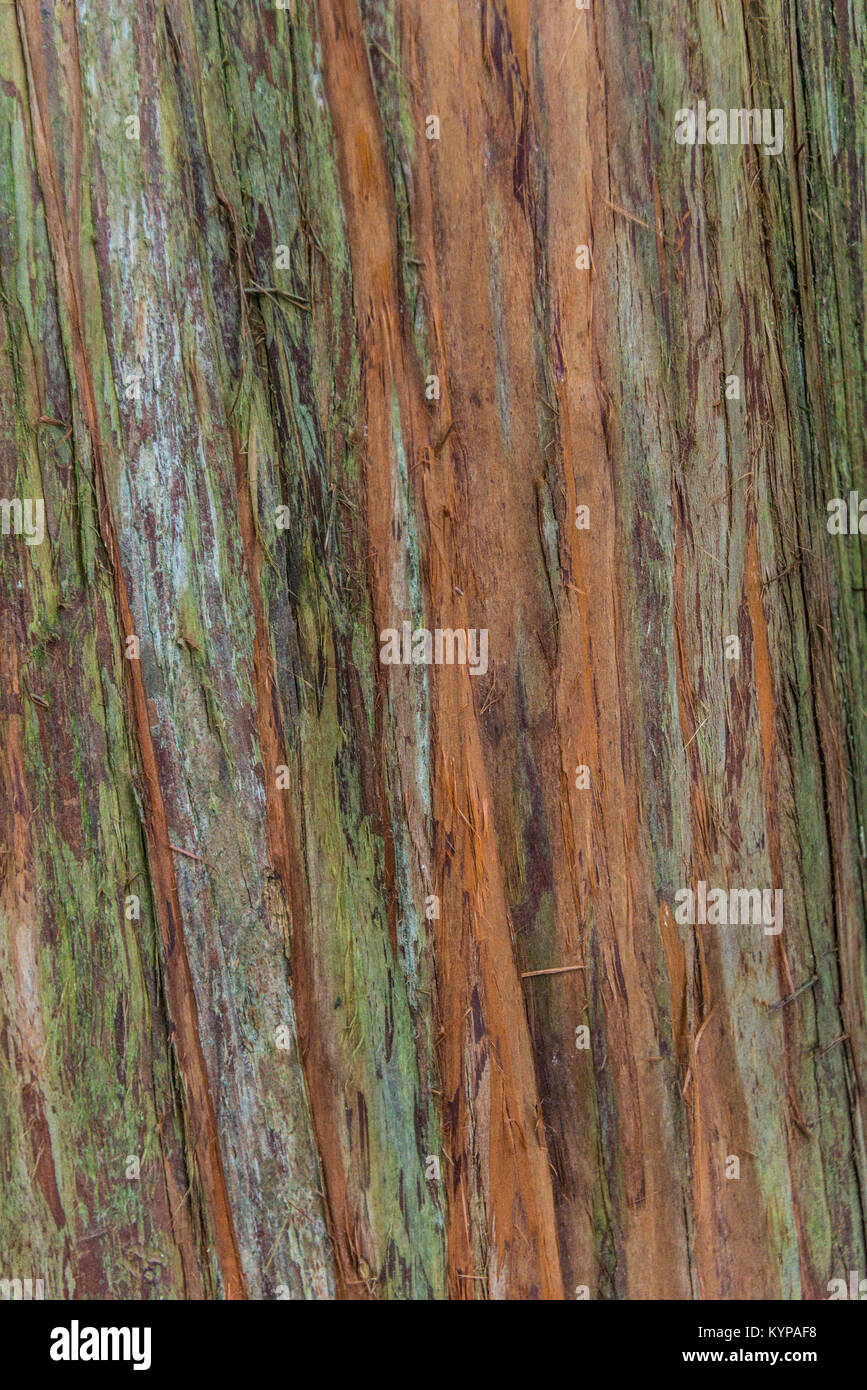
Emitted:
<point x="231" y="262"/>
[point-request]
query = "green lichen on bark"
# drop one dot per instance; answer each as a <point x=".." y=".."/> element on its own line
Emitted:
<point x="230" y="257"/>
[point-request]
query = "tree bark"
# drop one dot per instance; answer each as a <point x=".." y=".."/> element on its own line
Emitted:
<point x="297" y="945"/>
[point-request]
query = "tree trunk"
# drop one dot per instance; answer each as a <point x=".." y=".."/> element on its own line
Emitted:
<point x="323" y="976"/>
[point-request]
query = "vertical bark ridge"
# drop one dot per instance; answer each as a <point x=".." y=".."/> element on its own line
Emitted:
<point x="501" y="1231"/>
<point x="177" y="977"/>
